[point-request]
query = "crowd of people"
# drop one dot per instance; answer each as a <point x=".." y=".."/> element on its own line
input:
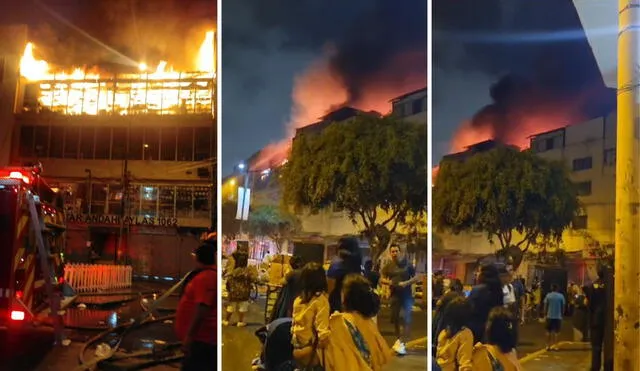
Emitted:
<point x="329" y="315"/>
<point x="478" y="329"/>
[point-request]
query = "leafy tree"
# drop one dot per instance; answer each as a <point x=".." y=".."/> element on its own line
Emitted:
<point x="273" y="222"/>
<point x="503" y="191"/>
<point x="230" y="225"/>
<point x="372" y="168"/>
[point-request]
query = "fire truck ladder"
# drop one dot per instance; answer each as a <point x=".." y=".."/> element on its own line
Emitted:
<point x="44" y="252"/>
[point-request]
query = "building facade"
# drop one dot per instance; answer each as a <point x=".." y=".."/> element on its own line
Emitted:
<point x="588" y="150"/>
<point x="411" y="106"/>
<point x="327" y="226"/>
<point x="134" y="154"/>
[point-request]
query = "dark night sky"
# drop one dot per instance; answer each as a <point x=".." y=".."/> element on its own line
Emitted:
<point x="266" y="45"/>
<point x="478" y="42"/>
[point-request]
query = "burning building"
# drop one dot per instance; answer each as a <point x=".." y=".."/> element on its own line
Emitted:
<point x="133" y="151"/>
<point x="321" y="230"/>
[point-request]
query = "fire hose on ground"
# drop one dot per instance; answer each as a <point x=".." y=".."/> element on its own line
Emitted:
<point x="169" y="353"/>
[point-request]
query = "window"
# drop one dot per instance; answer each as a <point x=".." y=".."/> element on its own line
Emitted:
<point x="185" y="144"/>
<point x="610" y="157"/>
<point x="87" y="136"/>
<point x="98" y="198"/>
<point x="119" y="147"/>
<point x="71" y="142"/>
<point x="416" y="106"/>
<point x="580" y="222"/>
<point x="132" y="200"/>
<point x="148" y="201"/>
<point x="584" y="188"/>
<point x="544" y="144"/>
<point x="203" y="144"/>
<point x="201" y="202"/>
<point x="57" y="142"/>
<point x="584" y="163"/>
<point x="103" y="144"/>
<point x="168" y="144"/>
<point x="151" y="143"/>
<point x="136" y="143"/>
<point x="167" y="202"/>
<point x="184" y="202"/>
<point x="398" y="109"/>
<point x="115" y="199"/>
<point x="41" y="139"/>
<point x="27" y="134"/>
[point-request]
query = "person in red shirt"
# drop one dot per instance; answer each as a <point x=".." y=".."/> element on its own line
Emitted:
<point x="196" y="318"/>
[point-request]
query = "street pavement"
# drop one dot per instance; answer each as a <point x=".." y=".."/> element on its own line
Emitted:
<point x="533" y="337"/>
<point x="240" y="345"/>
<point x="570" y="357"/>
<point x="33" y="350"/>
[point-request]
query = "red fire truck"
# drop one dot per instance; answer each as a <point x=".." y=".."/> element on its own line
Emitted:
<point x="31" y="246"/>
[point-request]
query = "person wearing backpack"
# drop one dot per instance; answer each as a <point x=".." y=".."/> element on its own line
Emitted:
<point x="498" y="353"/>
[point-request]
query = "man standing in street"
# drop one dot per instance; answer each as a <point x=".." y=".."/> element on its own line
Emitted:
<point x="512" y="295"/>
<point x="196" y="318"/>
<point x="400" y="275"/>
<point x="554" y="304"/>
<point x="597" y="302"/>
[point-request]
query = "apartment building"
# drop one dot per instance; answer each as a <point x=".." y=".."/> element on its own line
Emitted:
<point x="588" y="150"/>
<point x="327" y="226"/>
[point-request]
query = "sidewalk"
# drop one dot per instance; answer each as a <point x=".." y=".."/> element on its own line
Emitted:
<point x="571" y="356"/>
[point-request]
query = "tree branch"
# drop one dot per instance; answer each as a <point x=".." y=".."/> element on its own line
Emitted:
<point x="393" y="216"/>
<point x="526" y="238"/>
<point x="500" y="239"/>
<point x="365" y="221"/>
<point x="395" y="225"/>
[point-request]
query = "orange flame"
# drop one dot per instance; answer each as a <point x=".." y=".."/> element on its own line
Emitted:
<point x="319" y="90"/>
<point x="87" y="92"/>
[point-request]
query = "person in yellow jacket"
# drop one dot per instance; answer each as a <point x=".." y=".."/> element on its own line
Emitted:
<point x="356" y="342"/>
<point x="455" y="341"/>
<point x="498" y="353"/>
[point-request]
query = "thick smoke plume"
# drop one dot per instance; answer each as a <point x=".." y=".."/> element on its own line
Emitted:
<point x="522" y="108"/>
<point x="373" y="52"/>
<point x="142" y="30"/>
<point x="543" y="70"/>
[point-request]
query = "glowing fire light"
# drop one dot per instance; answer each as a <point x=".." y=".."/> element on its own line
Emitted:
<point x="31" y="68"/>
<point x="206" y="56"/>
<point x="163" y="91"/>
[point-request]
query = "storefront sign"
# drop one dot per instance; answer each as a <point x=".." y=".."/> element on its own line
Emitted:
<point x="117" y="220"/>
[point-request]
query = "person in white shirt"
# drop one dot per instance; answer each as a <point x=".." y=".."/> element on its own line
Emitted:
<point x="510" y="298"/>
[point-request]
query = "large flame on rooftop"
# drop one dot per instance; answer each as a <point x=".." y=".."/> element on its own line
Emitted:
<point x="161" y="90"/>
<point x="319" y="91"/>
<point x="30" y="67"/>
<point x="38" y="70"/>
<point x="206" y="56"/>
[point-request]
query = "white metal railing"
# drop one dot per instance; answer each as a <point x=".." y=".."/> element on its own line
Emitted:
<point x="98" y="277"/>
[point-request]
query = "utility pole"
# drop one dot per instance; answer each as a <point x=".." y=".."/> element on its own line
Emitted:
<point x="123" y="206"/>
<point x="627" y="232"/>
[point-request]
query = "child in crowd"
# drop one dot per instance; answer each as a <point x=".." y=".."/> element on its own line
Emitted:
<point x="498" y="353"/>
<point x="310" y="328"/>
<point x="455" y="341"/>
<point x="356" y="342"/>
